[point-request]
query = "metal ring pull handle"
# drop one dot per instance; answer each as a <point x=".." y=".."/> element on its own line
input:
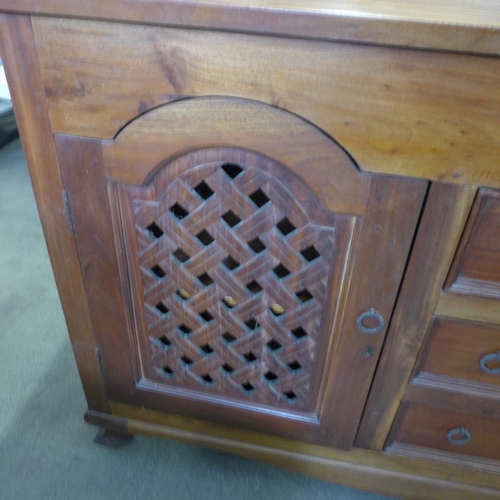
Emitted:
<point x="494" y="356"/>
<point x="367" y="315"/>
<point x="459" y="436"/>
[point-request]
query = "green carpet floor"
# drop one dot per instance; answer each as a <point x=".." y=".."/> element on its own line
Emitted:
<point x="46" y="449"/>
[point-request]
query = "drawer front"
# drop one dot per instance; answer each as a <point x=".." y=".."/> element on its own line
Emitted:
<point x="438" y="428"/>
<point x="464" y="350"/>
<point x="476" y="269"/>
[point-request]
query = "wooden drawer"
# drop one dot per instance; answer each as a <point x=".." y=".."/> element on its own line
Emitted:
<point x="429" y="426"/>
<point x="476" y="269"/>
<point x="464" y="350"/>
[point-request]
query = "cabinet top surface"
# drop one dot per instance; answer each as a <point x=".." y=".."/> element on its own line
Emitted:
<point x="457" y="25"/>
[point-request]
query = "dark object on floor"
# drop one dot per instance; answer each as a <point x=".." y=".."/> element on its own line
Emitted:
<point x="8" y="126"/>
<point x="112" y="439"/>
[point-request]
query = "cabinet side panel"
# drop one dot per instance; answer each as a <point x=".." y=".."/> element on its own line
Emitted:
<point x="440" y="229"/>
<point x="19" y="55"/>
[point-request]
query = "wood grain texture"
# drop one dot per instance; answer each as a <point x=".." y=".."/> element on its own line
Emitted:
<point x="418" y="452"/>
<point x="222" y="338"/>
<point x="18" y="52"/>
<point x="383" y="235"/>
<point x="443" y="220"/>
<point x="381" y="253"/>
<point x="314" y="159"/>
<point x="394" y="207"/>
<point x="390" y="475"/>
<point x="148" y="94"/>
<point x="455" y="348"/>
<point x="421" y="114"/>
<point x="161" y="134"/>
<point x="455" y="395"/>
<point x="97" y="230"/>
<point x="468" y="307"/>
<point x="427" y="426"/>
<point x="83" y="174"/>
<point x="476" y="268"/>
<point x="465" y="25"/>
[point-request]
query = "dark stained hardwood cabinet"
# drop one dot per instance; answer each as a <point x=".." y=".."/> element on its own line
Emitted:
<point x="250" y="294"/>
<point x="272" y="240"/>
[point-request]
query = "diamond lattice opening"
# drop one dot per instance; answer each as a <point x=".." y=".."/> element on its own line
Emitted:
<point x="230" y="263"/>
<point x="304" y="295"/>
<point x="207" y="349"/>
<point x="270" y="376"/>
<point x="256" y="245"/>
<point x="161" y="308"/>
<point x="285" y="226"/>
<point x="248" y="387"/>
<point x="155" y="231"/>
<point x="281" y="271"/>
<point x="310" y="253"/>
<point x="186" y="360"/>
<point x="227" y="368"/>
<point x="204" y="190"/>
<point x="250" y="357"/>
<point x="259" y="198"/>
<point x="158" y="271"/>
<point x="254" y="287"/>
<point x="228" y="337"/>
<point x="205" y="238"/>
<point x="205" y="279"/>
<point x="206" y="316"/>
<point x="294" y="365"/>
<point x="184" y="329"/>
<point x="226" y="250"/>
<point x="231" y="218"/>
<point x="299" y="333"/>
<point x="163" y="340"/>
<point x="274" y="345"/>
<point x="167" y="371"/>
<point x="232" y="170"/>
<point x="252" y="323"/>
<point x="178" y="211"/>
<point x="207" y="378"/>
<point x="181" y="255"/>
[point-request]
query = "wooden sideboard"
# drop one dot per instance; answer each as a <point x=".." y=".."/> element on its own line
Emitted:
<point x="275" y="227"/>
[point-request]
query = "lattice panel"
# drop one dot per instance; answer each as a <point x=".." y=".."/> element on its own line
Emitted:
<point x="235" y="275"/>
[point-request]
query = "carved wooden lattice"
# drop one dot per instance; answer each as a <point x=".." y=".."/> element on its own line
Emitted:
<point x="235" y="271"/>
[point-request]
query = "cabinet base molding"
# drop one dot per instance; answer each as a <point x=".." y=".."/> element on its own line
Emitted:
<point x="403" y="477"/>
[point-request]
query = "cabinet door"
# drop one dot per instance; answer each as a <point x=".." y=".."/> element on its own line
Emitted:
<point x="239" y="267"/>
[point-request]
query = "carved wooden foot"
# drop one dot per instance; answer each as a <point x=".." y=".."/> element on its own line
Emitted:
<point x="112" y="439"/>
